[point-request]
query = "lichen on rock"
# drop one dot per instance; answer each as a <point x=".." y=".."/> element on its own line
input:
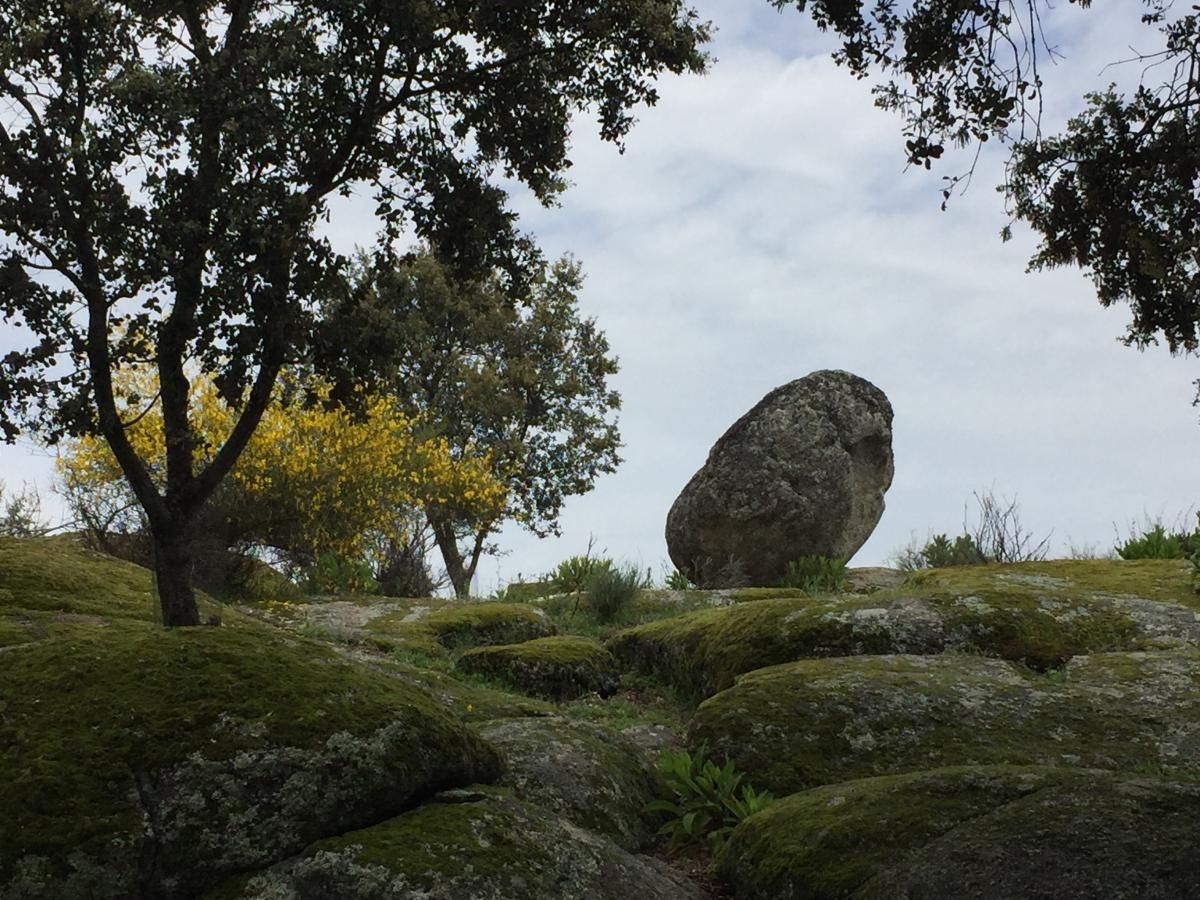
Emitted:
<point x="599" y="780"/>
<point x="1040" y="614"/>
<point x="990" y="832"/>
<point x="139" y="760"/>
<point x="814" y="722"/>
<point x="468" y="845"/>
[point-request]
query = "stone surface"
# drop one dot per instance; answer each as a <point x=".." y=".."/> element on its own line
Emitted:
<point x="1041" y="614"/>
<point x="814" y="722"/>
<point x="802" y="473"/>
<point x="468" y="845"/>
<point x="140" y="761"/>
<point x="992" y="833"/>
<point x="599" y="780"/>
<point x="554" y="668"/>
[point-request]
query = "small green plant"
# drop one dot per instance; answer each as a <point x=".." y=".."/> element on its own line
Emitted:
<point x="572" y="575"/>
<point x="708" y="800"/>
<point x="676" y="580"/>
<point x="815" y="574"/>
<point x="1156" y="542"/>
<point x="333" y="574"/>
<point x="612" y="588"/>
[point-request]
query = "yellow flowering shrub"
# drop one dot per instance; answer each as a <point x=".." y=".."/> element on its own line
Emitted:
<point x="335" y="477"/>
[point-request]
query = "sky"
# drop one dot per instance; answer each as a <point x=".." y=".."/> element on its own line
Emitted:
<point x="760" y="225"/>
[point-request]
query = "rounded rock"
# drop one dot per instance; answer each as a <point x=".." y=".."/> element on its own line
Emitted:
<point x="803" y="473"/>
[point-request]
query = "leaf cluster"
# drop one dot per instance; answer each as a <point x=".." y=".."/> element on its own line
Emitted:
<point x="708" y="800"/>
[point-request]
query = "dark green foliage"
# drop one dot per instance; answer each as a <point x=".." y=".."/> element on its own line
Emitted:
<point x="816" y="574"/>
<point x="1115" y="193"/>
<point x="166" y="170"/>
<point x="572" y="575"/>
<point x="334" y="574"/>
<point x="1158" y="543"/>
<point x="610" y="589"/>
<point x="940" y="551"/>
<point x="519" y="374"/>
<point x="678" y="581"/>
<point x="707" y="800"/>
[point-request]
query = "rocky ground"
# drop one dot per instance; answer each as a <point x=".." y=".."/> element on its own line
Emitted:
<point x="1019" y="731"/>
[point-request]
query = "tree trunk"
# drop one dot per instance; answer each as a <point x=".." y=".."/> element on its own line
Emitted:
<point x="173" y="579"/>
<point x="447" y="541"/>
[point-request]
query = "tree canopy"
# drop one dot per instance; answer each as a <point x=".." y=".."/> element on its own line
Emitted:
<point x="523" y="378"/>
<point x="1117" y="193"/>
<point x="166" y="169"/>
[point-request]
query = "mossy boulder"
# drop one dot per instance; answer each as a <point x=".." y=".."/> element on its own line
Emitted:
<point x="1041" y="614"/>
<point x="50" y="585"/>
<point x="816" y="722"/>
<point x="468" y="845"/>
<point x="151" y="762"/>
<point x="599" y="780"/>
<point x="455" y="626"/>
<point x="992" y="833"/>
<point x="555" y="668"/>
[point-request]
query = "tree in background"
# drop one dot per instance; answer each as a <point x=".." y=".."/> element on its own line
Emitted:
<point x="164" y="168"/>
<point x="313" y="481"/>
<point x="1117" y="193"/>
<point x="523" y="378"/>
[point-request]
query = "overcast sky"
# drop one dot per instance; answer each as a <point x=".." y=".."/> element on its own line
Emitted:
<point x="760" y="226"/>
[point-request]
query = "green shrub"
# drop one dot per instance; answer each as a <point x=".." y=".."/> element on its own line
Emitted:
<point x="707" y="800"/>
<point x="675" y="580"/>
<point x="572" y="575"/>
<point x="333" y="574"/>
<point x="815" y="574"/>
<point x="611" y="588"/>
<point x="1155" y="542"/>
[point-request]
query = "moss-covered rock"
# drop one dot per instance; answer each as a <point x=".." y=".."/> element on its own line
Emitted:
<point x="555" y="668"/>
<point x="144" y="761"/>
<point x="816" y="722"/>
<point x="599" y="780"/>
<point x="468" y="845"/>
<point x="989" y="832"/>
<point x="456" y="626"/>
<point x="1041" y="614"/>
<point x="49" y="585"/>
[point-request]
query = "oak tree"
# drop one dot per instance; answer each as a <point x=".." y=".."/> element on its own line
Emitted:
<point x="523" y="377"/>
<point x="166" y="168"/>
<point x="1117" y="193"/>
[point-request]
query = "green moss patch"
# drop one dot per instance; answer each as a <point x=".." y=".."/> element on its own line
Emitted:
<point x="555" y="668"/>
<point x="990" y="832"/>
<point x="469" y="845"/>
<point x="1039" y="614"/>
<point x="813" y="722"/>
<point x="49" y="583"/>
<point x="135" y="755"/>
<point x="457" y="626"/>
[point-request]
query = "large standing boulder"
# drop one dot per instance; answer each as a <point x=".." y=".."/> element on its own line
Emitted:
<point x="803" y="473"/>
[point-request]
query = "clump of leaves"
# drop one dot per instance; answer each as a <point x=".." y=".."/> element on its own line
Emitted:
<point x="707" y="800"/>
<point x="573" y="575"/>
<point x="612" y="588"/>
<point x="815" y="574"/>
<point x="675" y="580"/>
<point x="334" y="574"/>
<point x="1155" y="542"/>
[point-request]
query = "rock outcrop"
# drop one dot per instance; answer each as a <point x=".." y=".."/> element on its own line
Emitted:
<point x="988" y="832"/>
<point x="803" y="473"/>
<point x="821" y="721"/>
<point x="553" y="668"/>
